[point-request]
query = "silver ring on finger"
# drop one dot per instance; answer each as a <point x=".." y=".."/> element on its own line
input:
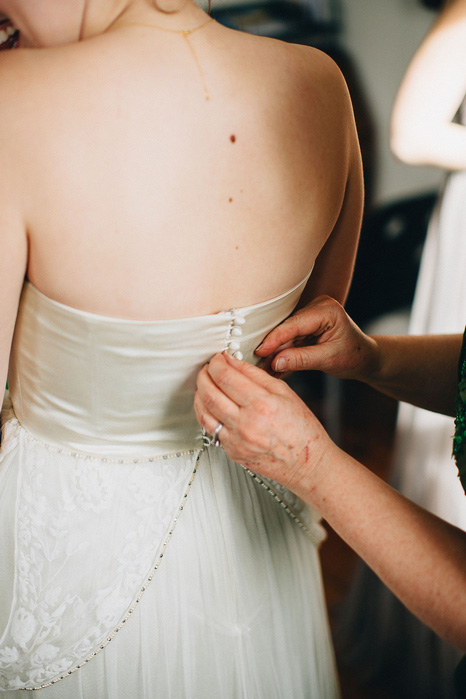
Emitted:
<point x="215" y="439"/>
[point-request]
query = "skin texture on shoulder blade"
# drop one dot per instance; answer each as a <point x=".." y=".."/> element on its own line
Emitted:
<point x="132" y="186"/>
<point x="13" y="238"/>
<point x="325" y="136"/>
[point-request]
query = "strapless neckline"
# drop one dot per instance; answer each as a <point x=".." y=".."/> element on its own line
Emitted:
<point x="116" y="319"/>
<point x="123" y="388"/>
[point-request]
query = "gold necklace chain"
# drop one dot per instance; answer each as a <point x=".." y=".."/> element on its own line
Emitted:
<point x="185" y="33"/>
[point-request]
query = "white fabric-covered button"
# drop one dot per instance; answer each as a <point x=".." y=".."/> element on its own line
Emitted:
<point x="235" y="331"/>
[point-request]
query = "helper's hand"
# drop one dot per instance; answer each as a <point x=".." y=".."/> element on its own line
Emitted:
<point x="266" y="426"/>
<point x="322" y="337"/>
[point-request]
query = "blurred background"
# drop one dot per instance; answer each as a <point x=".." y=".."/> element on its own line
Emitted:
<point x="373" y="42"/>
<point x="381" y="652"/>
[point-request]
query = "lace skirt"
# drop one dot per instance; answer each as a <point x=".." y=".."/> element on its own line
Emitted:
<point x="178" y="577"/>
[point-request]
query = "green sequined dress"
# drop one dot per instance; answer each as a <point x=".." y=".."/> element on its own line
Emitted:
<point x="459" y="440"/>
<point x="459" y="452"/>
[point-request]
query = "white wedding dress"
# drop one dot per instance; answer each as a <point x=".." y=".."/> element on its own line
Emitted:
<point x="135" y="563"/>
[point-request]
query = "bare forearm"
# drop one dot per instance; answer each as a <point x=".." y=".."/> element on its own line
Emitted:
<point x="267" y="428"/>
<point x="421" y="370"/>
<point x="432" y="90"/>
<point x="421" y="558"/>
<point x="446" y="148"/>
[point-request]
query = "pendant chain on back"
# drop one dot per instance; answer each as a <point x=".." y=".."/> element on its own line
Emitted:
<point x="185" y="33"/>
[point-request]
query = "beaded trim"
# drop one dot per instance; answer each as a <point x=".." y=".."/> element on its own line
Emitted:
<point x="102" y="459"/>
<point x="141" y="592"/>
<point x="316" y="540"/>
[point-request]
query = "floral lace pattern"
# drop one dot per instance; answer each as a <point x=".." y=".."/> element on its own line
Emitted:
<point x="87" y="537"/>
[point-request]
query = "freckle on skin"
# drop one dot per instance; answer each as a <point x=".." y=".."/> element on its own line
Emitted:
<point x="232" y="138"/>
<point x="230" y="199"/>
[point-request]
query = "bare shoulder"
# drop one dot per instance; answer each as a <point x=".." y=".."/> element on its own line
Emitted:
<point x="27" y="73"/>
<point x="14" y="108"/>
<point x="294" y="66"/>
<point x="41" y="88"/>
<point x="313" y="64"/>
<point x="14" y="75"/>
<point x="300" y="82"/>
<point x="319" y="81"/>
<point x="25" y="82"/>
<point x="32" y="82"/>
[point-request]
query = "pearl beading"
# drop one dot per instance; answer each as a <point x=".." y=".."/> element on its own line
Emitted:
<point x="95" y="457"/>
<point x="135" y="604"/>
<point x="316" y="540"/>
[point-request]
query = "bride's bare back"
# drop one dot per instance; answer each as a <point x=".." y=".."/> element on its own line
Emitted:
<point x="125" y="192"/>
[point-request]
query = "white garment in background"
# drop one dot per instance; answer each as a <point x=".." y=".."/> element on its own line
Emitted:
<point x="424" y="467"/>
<point x="382" y="634"/>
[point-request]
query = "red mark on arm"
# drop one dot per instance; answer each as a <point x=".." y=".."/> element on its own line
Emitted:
<point x="232" y="138"/>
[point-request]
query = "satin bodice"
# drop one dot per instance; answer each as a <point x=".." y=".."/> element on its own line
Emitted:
<point x="122" y="388"/>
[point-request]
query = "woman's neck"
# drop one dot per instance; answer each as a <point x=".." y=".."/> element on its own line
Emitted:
<point x="176" y="15"/>
<point x="43" y="25"/>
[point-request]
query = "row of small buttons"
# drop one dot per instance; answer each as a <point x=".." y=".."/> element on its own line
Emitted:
<point x="235" y="331"/>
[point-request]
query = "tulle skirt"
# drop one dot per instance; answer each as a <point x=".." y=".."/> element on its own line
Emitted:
<point x="233" y="606"/>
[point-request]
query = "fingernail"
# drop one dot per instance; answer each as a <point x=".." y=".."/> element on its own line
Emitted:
<point x="280" y="364"/>
<point x="259" y="347"/>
